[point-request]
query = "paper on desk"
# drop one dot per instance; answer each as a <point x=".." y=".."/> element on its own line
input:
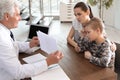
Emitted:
<point x="55" y="73"/>
<point x="47" y="43"/>
<point x="34" y="58"/>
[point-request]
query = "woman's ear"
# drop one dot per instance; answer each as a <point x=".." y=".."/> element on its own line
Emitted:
<point x="88" y="12"/>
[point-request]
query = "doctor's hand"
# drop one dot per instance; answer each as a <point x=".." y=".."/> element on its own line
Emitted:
<point x="54" y="58"/>
<point x="34" y="42"/>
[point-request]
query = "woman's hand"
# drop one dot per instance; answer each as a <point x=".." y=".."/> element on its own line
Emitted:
<point x="113" y="47"/>
<point x="77" y="48"/>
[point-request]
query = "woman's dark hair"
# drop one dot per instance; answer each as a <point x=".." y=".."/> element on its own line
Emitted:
<point x="84" y="8"/>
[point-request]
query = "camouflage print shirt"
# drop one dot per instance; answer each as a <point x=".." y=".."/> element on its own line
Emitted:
<point x="101" y="53"/>
<point x="83" y="43"/>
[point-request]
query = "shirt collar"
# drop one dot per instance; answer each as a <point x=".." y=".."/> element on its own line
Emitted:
<point x="5" y="28"/>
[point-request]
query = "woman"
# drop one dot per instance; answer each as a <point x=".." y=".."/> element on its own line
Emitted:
<point x="83" y="14"/>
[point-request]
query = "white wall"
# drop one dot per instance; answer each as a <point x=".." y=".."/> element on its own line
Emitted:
<point x="111" y="16"/>
<point x="108" y="16"/>
<point x="117" y="14"/>
<point x="95" y="11"/>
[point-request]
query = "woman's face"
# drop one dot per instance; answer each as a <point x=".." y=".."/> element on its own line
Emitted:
<point x="81" y="16"/>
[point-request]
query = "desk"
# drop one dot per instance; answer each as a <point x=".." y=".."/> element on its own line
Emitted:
<point x="78" y="68"/>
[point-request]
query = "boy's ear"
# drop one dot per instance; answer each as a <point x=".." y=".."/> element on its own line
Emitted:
<point x="98" y="30"/>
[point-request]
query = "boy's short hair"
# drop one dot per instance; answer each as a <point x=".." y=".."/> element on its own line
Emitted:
<point x="96" y="23"/>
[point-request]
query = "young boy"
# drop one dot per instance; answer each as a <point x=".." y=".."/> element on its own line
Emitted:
<point x="98" y="49"/>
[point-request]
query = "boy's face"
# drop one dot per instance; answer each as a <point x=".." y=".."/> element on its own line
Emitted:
<point x="91" y="34"/>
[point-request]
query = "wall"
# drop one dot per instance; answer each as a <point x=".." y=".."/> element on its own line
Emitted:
<point x="117" y="13"/>
<point x="111" y="16"/>
<point x="95" y="11"/>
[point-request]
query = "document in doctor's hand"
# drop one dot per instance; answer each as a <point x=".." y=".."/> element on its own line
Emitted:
<point x="47" y="43"/>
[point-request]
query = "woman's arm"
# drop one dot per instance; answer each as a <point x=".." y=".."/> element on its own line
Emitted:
<point x="71" y="41"/>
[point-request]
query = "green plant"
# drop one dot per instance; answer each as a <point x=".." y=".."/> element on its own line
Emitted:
<point x="106" y="3"/>
<point x="101" y="4"/>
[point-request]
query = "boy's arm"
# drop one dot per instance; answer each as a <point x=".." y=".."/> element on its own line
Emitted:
<point x="103" y="59"/>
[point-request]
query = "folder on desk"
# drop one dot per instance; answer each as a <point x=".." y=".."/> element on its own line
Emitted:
<point x="34" y="58"/>
<point x="54" y="73"/>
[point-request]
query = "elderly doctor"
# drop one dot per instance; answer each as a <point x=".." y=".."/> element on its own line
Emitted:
<point x="10" y="66"/>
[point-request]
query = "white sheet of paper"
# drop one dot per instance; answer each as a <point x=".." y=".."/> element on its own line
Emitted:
<point x="47" y="43"/>
<point x="34" y="58"/>
<point x="54" y="73"/>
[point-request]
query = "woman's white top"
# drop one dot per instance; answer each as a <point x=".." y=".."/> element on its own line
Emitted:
<point x="77" y="27"/>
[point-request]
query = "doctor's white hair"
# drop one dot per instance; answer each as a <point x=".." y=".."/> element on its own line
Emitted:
<point x="7" y="6"/>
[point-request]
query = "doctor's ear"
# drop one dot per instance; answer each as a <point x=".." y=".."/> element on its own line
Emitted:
<point x="6" y="15"/>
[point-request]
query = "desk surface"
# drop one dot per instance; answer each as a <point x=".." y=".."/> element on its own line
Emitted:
<point x="78" y="68"/>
